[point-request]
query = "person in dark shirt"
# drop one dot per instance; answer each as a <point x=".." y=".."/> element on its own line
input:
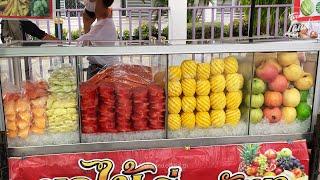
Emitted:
<point x="18" y="29"/>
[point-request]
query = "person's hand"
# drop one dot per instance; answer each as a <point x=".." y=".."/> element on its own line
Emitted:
<point x="48" y="37"/>
<point x="86" y="43"/>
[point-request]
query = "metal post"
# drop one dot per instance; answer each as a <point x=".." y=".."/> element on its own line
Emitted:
<point x="253" y="6"/>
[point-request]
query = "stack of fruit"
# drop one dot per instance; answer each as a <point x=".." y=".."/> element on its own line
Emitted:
<point x="140" y="112"/>
<point x="174" y="101"/>
<point x="62" y="102"/>
<point x="196" y="87"/>
<point x="9" y="102"/>
<point x="271" y="163"/>
<point x="234" y="85"/>
<point x="24" y="116"/>
<point x="288" y="90"/>
<point x="88" y="109"/>
<point x="156" y="106"/>
<point x="123" y="108"/>
<point x="38" y="95"/>
<point x="106" y="111"/>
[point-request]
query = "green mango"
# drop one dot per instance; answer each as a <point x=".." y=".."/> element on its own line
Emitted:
<point x="307" y="7"/>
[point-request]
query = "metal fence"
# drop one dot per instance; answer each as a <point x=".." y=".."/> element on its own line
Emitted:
<point x="206" y="24"/>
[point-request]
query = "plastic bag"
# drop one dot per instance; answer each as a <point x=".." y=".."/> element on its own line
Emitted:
<point x="126" y="98"/>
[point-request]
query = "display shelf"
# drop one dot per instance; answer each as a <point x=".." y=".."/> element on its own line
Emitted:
<point x="152" y="144"/>
<point x="243" y="133"/>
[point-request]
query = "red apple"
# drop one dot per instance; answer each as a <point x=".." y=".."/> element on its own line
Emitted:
<point x="271" y="155"/>
<point x="273" y="99"/>
<point x="267" y="71"/>
<point x="273" y="115"/>
<point x="278" y="170"/>
<point x="297" y="172"/>
<point x="279" y="84"/>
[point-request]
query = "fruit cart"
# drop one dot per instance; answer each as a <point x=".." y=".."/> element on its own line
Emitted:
<point x="244" y="111"/>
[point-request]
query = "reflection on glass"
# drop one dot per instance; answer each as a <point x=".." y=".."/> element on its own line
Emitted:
<point x="205" y="97"/>
<point x="282" y="93"/>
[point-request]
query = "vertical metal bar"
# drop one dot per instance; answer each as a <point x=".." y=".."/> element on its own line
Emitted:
<point x="212" y="24"/>
<point x="79" y="22"/>
<point x="120" y="24"/>
<point x="285" y="24"/>
<point x="48" y="27"/>
<point x="140" y="32"/>
<point x="252" y="12"/>
<point x="159" y="25"/>
<point x="2" y="117"/>
<point x="130" y="25"/>
<point x="78" y="72"/>
<point x="231" y="22"/>
<point x="268" y="22"/>
<point x="316" y="101"/>
<point x="41" y="68"/>
<point x="240" y="22"/>
<point x="203" y="26"/>
<point x="69" y="27"/>
<point x="193" y="25"/>
<point x="59" y="28"/>
<point x="166" y="93"/>
<point x="222" y="24"/>
<point x="249" y="23"/>
<point x="10" y="70"/>
<point x="149" y="25"/>
<point x="17" y="72"/>
<point x="276" y="30"/>
<point x="259" y="21"/>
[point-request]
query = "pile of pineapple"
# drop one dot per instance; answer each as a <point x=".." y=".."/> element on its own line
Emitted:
<point x="204" y="95"/>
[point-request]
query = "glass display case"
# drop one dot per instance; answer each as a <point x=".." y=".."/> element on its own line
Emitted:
<point x="116" y="96"/>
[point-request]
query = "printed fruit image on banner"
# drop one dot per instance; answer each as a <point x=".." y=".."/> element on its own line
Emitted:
<point x="259" y="163"/>
<point x="307" y="10"/>
<point x="280" y="94"/>
<point x="253" y="161"/>
<point x="32" y="9"/>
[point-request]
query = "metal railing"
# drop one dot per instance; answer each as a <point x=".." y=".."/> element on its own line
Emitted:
<point x="206" y="25"/>
<point x="129" y="27"/>
<point x="233" y="21"/>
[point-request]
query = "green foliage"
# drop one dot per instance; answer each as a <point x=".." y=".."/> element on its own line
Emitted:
<point x="145" y="32"/>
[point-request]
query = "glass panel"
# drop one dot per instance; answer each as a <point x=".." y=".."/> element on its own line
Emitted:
<point x="40" y="100"/>
<point x="282" y="92"/>
<point x="205" y="94"/>
<point x="122" y="98"/>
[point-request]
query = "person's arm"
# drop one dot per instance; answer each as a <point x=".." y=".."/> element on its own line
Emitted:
<point x="33" y="30"/>
<point x="88" y="19"/>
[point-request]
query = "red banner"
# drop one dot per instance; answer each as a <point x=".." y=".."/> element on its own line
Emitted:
<point x="276" y="160"/>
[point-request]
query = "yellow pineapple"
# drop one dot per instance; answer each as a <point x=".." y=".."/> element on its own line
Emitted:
<point x="218" y="83"/>
<point x="203" y="88"/>
<point x="218" y="118"/>
<point x="230" y="65"/>
<point x="203" y="71"/>
<point x="189" y="104"/>
<point x="188" y="120"/>
<point x="218" y="101"/>
<point x="234" y="99"/>
<point x="174" y="73"/>
<point x="217" y="66"/>
<point x="174" y="88"/>
<point x="233" y="117"/>
<point x="174" y="105"/>
<point x="203" y="103"/>
<point x="234" y="82"/>
<point x="189" y="87"/>
<point x="203" y="120"/>
<point x="189" y="69"/>
<point x="174" y="122"/>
